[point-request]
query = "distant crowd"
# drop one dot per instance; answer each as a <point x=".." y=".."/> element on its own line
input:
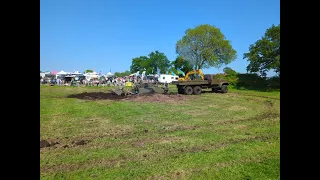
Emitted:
<point x="101" y="81"/>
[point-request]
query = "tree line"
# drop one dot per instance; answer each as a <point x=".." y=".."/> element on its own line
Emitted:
<point x="206" y="46"/>
<point x="252" y="81"/>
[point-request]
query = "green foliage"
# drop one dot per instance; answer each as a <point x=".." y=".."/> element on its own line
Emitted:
<point x="264" y="54"/>
<point x="249" y="81"/>
<point x="159" y="60"/>
<point x="231" y="76"/>
<point x="138" y="63"/>
<point x="182" y="64"/>
<point x="150" y="64"/>
<point x="233" y="80"/>
<point x="229" y="71"/>
<point x="205" y="46"/>
<point x="274" y="82"/>
<point x="117" y="74"/>
<point x="88" y="71"/>
<point x="122" y="74"/>
<point x="255" y="82"/>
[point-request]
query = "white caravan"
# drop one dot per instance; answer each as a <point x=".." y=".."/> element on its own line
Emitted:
<point x="167" y="78"/>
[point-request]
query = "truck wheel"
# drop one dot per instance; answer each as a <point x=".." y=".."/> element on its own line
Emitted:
<point x="214" y="90"/>
<point x="180" y="90"/>
<point x="224" y="88"/>
<point x="188" y="90"/>
<point x="197" y="90"/>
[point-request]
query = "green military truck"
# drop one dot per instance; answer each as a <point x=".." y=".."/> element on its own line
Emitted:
<point x="195" y="86"/>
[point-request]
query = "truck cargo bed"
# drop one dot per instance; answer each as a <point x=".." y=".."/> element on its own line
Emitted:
<point x="191" y="82"/>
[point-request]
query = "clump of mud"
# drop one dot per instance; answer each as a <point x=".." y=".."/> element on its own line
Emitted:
<point x="81" y="142"/>
<point x="154" y="97"/>
<point x="45" y="143"/>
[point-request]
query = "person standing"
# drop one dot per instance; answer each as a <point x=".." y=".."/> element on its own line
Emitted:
<point x="166" y="87"/>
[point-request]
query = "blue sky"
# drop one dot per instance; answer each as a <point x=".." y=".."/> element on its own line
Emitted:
<point x="103" y="35"/>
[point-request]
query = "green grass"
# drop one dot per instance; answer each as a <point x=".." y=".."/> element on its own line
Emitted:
<point x="211" y="136"/>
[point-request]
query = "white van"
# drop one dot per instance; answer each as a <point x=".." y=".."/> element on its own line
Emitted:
<point x="167" y="78"/>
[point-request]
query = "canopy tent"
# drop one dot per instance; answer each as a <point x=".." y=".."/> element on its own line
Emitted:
<point x="62" y="72"/>
<point x="76" y="72"/>
<point x="109" y="74"/>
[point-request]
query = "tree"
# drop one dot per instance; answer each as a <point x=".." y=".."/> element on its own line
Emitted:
<point x="229" y="71"/>
<point x="205" y="46"/>
<point x="264" y="54"/>
<point x="138" y="64"/>
<point x="182" y="64"/>
<point x="117" y="74"/>
<point x="88" y="71"/>
<point x="122" y="74"/>
<point x="150" y="64"/>
<point x="126" y="73"/>
<point x="159" y="60"/>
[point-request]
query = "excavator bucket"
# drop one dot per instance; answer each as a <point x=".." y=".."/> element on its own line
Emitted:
<point x="146" y="90"/>
<point x="118" y="92"/>
<point x="158" y="89"/>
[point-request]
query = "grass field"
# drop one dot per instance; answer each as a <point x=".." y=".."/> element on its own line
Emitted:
<point x="211" y="136"/>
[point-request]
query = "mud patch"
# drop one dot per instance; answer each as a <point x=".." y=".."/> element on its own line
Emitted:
<point x="45" y="143"/>
<point x="81" y="142"/>
<point x="174" y="128"/>
<point x="52" y="144"/>
<point x="96" y="96"/>
<point x="268" y="103"/>
<point x="171" y="97"/>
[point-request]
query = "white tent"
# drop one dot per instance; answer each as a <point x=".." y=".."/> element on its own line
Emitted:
<point x="62" y="72"/>
<point x="76" y="72"/>
<point x="109" y="74"/>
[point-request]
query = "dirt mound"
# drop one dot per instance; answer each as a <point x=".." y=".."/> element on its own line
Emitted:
<point x="96" y="96"/>
<point x="171" y="97"/>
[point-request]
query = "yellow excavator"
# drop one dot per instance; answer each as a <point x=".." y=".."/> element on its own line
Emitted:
<point x="192" y="75"/>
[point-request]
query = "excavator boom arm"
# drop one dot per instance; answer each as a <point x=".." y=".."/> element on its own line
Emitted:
<point x="199" y="71"/>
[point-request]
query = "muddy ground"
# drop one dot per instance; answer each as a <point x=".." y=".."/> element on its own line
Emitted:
<point x="55" y="143"/>
<point x="170" y="97"/>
